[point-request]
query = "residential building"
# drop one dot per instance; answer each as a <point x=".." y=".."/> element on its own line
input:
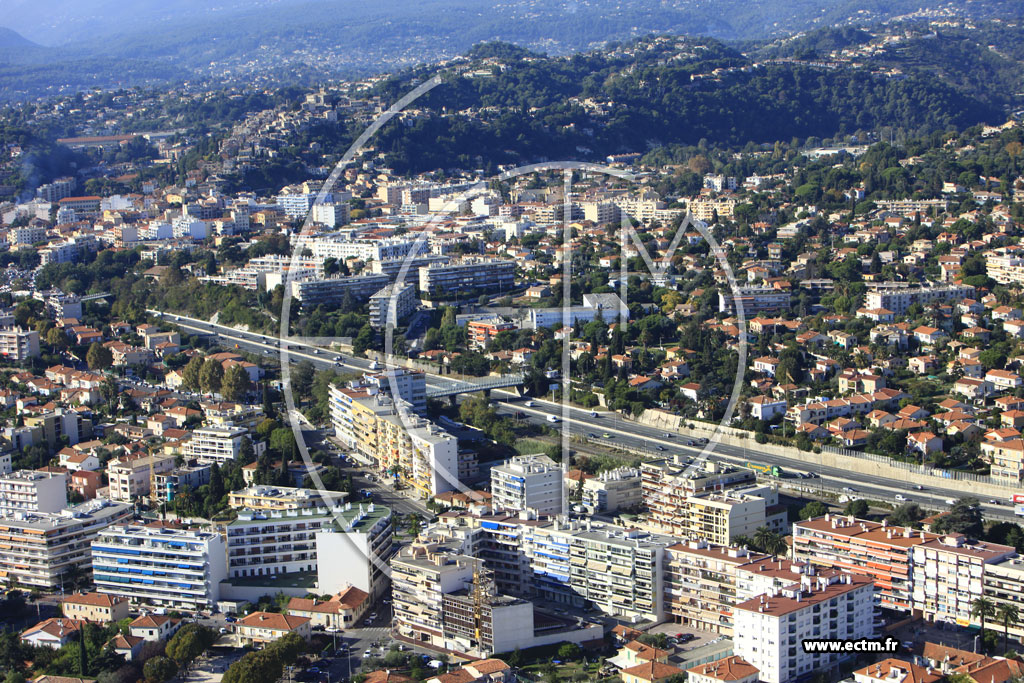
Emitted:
<point x="531" y="482"/>
<point x="466" y="279"/>
<point x="392" y="305"/>
<point x="332" y="291"/>
<point x="215" y="444"/>
<point x="700" y="584"/>
<point x="1003" y="583"/>
<point x="341" y="611"/>
<point x="32" y="491"/>
<point x="770" y="629"/>
<point x="900" y="296"/>
<point x="618" y="570"/>
<point x="753" y="300"/>
<point x="482" y="332"/>
<point x="18" y="345"/>
<point x="876" y="550"/>
<point x="269" y="498"/>
<point x="165" y="486"/>
<point x="408" y="385"/>
<point x="384" y="433"/>
<point x="718" y="516"/>
<point x="444" y="599"/>
<point x="45" y="549"/>
<point x="154" y="627"/>
<point x="160" y="565"/>
<point x="95" y="607"/>
<point x="131" y="476"/>
<point x="262" y="628"/>
<point x="732" y="669"/>
<point x="612" y="490"/>
<point x="355" y="551"/>
<point x="949" y="575"/>
<point x="55" y="633"/>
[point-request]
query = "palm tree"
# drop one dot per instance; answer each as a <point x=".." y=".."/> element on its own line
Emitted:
<point x="1008" y="614"/>
<point x="763" y="537"/>
<point x="983" y="609"/>
<point x="777" y="546"/>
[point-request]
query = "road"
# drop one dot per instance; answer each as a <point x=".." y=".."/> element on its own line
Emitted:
<point x="625" y="433"/>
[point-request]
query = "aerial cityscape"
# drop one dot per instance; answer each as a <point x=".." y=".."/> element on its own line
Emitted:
<point x="455" y="342"/>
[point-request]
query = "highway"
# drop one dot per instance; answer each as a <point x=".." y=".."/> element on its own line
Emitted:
<point x="623" y="433"/>
<point x="638" y="436"/>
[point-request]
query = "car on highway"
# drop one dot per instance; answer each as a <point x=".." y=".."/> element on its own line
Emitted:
<point x="847" y="489"/>
<point x="918" y="487"/>
<point x="593" y="413"/>
<point x="606" y="435"/>
<point x="529" y="404"/>
<point x="900" y="497"/>
<point x="552" y="418"/>
<point x="660" y="447"/>
<point x="950" y="501"/>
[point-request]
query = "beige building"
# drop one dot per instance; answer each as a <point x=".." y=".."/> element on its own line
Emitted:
<point x="1006" y="458"/>
<point x="729" y="670"/>
<point x="680" y="508"/>
<point x="130" y="476"/>
<point x="260" y="628"/>
<point x="340" y="612"/>
<point x="44" y="549"/>
<point x="700" y="584"/>
<point x="95" y="607"/>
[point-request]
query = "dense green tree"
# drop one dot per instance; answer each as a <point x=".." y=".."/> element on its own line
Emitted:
<point x="159" y="669"/>
<point x="191" y="373"/>
<point x="99" y="357"/>
<point x="236" y="383"/>
<point x="211" y="376"/>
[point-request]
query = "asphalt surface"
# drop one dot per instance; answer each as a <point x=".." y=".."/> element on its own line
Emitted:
<point x="622" y="432"/>
<point x="626" y="433"/>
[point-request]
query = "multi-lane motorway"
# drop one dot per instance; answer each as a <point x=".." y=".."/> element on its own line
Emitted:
<point x="622" y="432"/>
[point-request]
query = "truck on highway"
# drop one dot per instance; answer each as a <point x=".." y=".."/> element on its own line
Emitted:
<point x="767" y="470"/>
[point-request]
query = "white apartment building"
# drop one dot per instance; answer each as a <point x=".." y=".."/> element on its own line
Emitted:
<point x="408" y="385"/>
<point x="337" y="543"/>
<point x="362" y="249"/>
<point x="268" y="498"/>
<point x="130" y="476"/>
<point x="355" y="550"/>
<point x="754" y="300"/>
<point x="392" y="304"/>
<point x="949" y="575"/>
<point x="900" y="296"/>
<point x="215" y="444"/>
<point x="611" y="490"/>
<point x="17" y="344"/>
<point x="716" y="516"/>
<point x="1005" y="268"/>
<point x="160" y="565"/>
<point x="770" y="629"/>
<point x="272" y="542"/>
<point x="528" y="482"/>
<point x="40" y="549"/>
<point x="32" y="491"/>
<point x="615" y="569"/>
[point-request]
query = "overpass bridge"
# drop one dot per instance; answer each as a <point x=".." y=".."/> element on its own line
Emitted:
<point x="441" y="388"/>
